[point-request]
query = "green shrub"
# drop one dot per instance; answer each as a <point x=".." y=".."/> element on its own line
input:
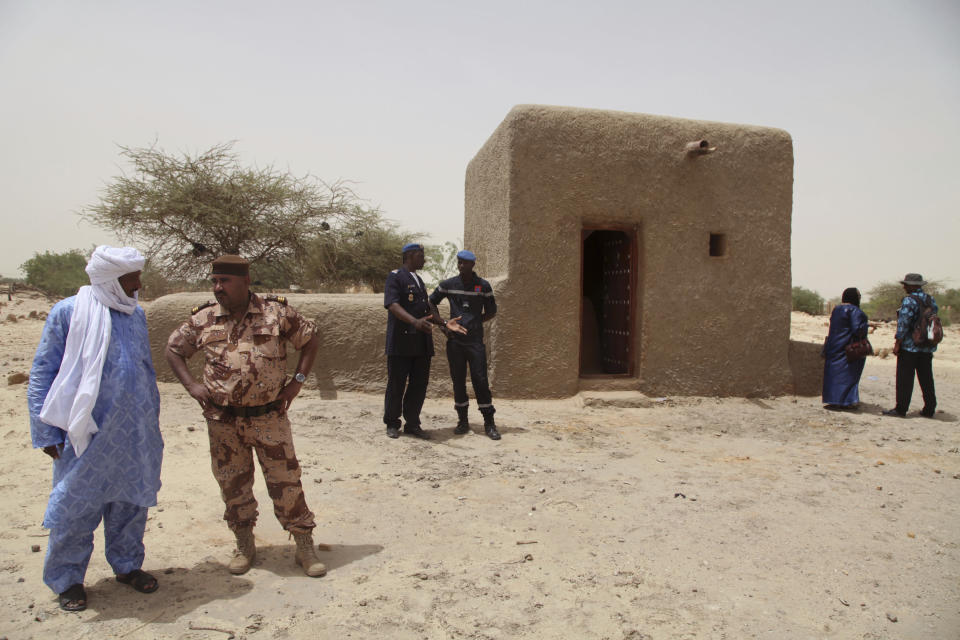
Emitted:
<point x="807" y="301"/>
<point x="885" y="299"/>
<point x="949" y="303"/>
<point x="58" y="274"/>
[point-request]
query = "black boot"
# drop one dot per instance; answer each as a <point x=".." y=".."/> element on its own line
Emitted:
<point x="463" y="425"/>
<point x="490" y="427"/>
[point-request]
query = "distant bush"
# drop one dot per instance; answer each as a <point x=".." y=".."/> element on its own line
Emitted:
<point x="885" y="299"/>
<point x="807" y="301"/>
<point x="949" y="303"/>
<point x="155" y="284"/>
<point x="58" y="274"/>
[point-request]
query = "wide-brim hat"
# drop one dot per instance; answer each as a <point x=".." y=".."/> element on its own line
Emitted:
<point x="914" y="279"/>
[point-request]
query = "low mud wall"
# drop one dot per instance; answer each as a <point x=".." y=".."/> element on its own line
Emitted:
<point x="352" y="330"/>
<point x="806" y="366"/>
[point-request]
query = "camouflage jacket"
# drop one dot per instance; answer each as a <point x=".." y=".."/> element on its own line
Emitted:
<point x="245" y="361"/>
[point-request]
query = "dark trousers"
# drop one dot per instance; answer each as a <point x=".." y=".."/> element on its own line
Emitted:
<point x="400" y="370"/>
<point x="921" y="364"/>
<point x="459" y="355"/>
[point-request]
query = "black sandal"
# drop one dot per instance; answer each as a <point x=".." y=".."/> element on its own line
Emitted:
<point x="74" y="599"/>
<point x="139" y="580"/>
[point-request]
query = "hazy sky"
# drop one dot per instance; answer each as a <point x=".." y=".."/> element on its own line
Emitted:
<point x="399" y="96"/>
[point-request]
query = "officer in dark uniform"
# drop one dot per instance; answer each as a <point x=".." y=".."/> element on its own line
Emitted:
<point x="471" y="300"/>
<point x="409" y="344"/>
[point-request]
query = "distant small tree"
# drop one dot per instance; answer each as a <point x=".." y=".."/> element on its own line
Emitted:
<point x="58" y="274"/>
<point x="360" y="252"/>
<point x="949" y="303"/>
<point x="184" y="210"/>
<point x="807" y="301"/>
<point x="885" y="299"/>
<point x="156" y="284"/>
<point x="441" y="262"/>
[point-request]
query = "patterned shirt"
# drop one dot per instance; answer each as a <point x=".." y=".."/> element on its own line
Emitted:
<point x="246" y="361"/>
<point x="907" y="316"/>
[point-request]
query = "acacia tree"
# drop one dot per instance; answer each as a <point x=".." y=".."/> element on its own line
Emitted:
<point x="360" y="251"/>
<point x="441" y="262"/>
<point x="185" y="210"/>
<point x="885" y="299"/>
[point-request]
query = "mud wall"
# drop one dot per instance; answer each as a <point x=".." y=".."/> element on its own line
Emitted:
<point x="806" y="366"/>
<point x="704" y="325"/>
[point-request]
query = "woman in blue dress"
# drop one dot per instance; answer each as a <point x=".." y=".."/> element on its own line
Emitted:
<point x="841" y="379"/>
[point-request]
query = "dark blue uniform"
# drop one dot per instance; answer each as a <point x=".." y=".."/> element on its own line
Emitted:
<point x="408" y="350"/>
<point x="470" y="302"/>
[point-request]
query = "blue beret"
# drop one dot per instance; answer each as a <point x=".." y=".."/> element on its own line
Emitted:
<point x="412" y="246"/>
<point x="464" y="254"/>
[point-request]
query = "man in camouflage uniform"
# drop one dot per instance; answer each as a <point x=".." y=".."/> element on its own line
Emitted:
<point x="245" y="395"/>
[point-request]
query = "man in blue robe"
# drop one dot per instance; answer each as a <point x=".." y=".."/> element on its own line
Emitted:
<point x="94" y="409"/>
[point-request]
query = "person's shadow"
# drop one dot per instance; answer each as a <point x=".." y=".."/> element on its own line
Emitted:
<point x="447" y="436"/>
<point x="939" y="416"/>
<point x="279" y="559"/>
<point x="183" y="590"/>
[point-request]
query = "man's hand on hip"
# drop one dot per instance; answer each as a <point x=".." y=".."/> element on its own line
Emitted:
<point x="287" y="394"/>
<point x="199" y="392"/>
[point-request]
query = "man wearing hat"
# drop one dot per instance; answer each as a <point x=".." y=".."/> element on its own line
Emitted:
<point x="94" y="409"/>
<point x="409" y="344"/>
<point x="245" y="395"/>
<point x="913" y="359"/>
<point x="471" y="300"/>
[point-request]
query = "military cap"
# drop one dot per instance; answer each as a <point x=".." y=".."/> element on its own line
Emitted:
<point x="412" y="246"/>
<point x="230" y="265"/>
<point x="465" y="254"/>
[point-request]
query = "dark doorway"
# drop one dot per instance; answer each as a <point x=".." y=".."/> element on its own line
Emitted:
<point x="606" y="324"/>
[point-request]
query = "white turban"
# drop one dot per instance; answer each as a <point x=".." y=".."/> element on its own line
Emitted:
<point x="73" y="394"/>
<point x="105" y="266"/>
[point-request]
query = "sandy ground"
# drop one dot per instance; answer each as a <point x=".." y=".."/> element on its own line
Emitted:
<point x="603" y="516"/>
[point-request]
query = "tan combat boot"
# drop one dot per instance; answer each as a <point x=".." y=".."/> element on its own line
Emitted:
<point x="245" y="553"/>
<point x="307" y="556"/>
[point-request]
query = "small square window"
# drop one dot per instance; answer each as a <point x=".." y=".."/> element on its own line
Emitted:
<point x="718" y="244"/>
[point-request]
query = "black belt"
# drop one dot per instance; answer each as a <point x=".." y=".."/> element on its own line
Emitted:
<point x="248" y="412"/>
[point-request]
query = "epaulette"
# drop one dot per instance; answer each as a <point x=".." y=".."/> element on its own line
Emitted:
<point x="201" y="307"/>
<point x="281" y="299"/>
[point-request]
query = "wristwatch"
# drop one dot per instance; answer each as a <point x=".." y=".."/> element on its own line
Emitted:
<point x="299" y="377"/>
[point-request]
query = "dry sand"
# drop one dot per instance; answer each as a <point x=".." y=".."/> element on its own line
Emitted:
<point x="603" y="516"/>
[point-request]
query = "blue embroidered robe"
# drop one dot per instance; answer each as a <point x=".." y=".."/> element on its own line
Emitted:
<point x="122" y="462"/>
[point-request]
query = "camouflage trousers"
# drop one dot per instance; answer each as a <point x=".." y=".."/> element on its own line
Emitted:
<point x="232" y="443"/>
